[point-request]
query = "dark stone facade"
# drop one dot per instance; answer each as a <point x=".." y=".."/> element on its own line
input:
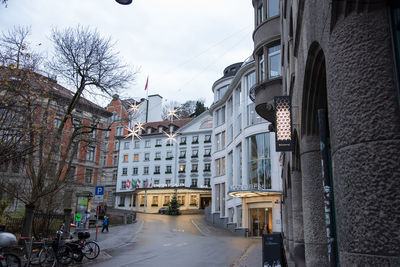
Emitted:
<point x="338" y="55"/>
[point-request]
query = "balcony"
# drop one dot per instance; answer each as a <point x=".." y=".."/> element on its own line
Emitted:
<point x="169" y="158"/>
<point x="251" y="190"/>
<point x="268" y="30"/>
<point x="263" y="96"/>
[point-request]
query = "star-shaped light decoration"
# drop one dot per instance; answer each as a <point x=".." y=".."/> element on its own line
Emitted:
<point x="133" y="107"/>
<point x="170" y="137"/>
<point x="172" y="113"/>
<point x="133" y="132"/>
<point x="139" y="126"/>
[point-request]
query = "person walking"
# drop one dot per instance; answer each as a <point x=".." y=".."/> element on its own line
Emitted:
<point x="106" y="222"/>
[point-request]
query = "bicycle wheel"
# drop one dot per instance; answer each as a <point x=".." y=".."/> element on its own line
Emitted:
<point x="46" y="255"/>
<point x="91" y="250"/>
<point x="35" y="257"/>
<point x="64" y="255"/>
<point x="12" y="260"/>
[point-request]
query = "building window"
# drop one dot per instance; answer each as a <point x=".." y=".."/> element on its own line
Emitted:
<point x="119" y="131"/>
<point x="183" y="140"/>
<point x="182" y="154"/>
<point x="195" y="153"/>
<point x="274" y="61"/>
<point x="115" y="174"/>
<point x="156" y="169"/>
<point x="116" y="146"/>
<point x="194" y="183"/>
<point x="104" y="160"/>
<point x="156" y="182"/>
<point x="107" y="134"/>
<point x="158" y="156"/>
<point x="207" y="182"/>
<point x="193" y="200"/>
<point x="90" y="153"/>
<point x="146" y="170"/>
<point x="147" y="144"/>
<point x="207" y="167"/>
<point x="155" y="201"/>
<point x="124" y="171"/>
<point x="123" y="185"/>
<point x="121" y="200"/>
<point x="160" y="129"/>
<point x="88" y="176"/>
<point x="181" y="182"/>
<point x="260" y="12"/>
<point x="168" y="182"/>
<point x="137" y="144"/>
<point x="259" y="165"/>
<point x="207" y="152"/>
<point x="115" y="160"/>
<point x="194" y="167"/>
<point x="220" y="166"/>
<point x="261" y="66"/>
<point x="181" y="200"/>
<point x="125" y="158"/>
<point x="168" y="169"/>
<point x="146" y="156"/>
<point x="207" y="138"/>
<point x="158" y="142"/>
<point x="169" y="155"/>
<point x="71" y="173"/>
<point x="182" y="168"/>
<point x="135" y="171"/>
<point x="141" y="201"/>
<point x="136" y="157"/>
<point x="126" y="145"/>
<point x="167" y="199"/>
<point x="57" y="122"/>
<point x="272" y="8"/>
<point x="195" y="139"/>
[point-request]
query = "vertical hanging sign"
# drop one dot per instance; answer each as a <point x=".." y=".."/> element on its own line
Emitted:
<point x="283" y="122"/>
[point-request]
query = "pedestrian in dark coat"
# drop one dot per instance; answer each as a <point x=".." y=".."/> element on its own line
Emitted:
<point x="106" y="222"/>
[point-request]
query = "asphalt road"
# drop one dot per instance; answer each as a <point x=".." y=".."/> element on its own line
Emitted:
<point x="186" y="240"/>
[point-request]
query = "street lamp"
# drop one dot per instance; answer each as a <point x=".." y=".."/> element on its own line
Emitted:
<point x="124" y="2"/>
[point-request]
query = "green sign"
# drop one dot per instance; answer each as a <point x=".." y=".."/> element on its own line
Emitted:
<point x="83" y="201"/>
<point x="78" y="217"/>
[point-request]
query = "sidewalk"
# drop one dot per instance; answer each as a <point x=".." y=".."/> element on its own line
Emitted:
<point x="117" y="236"/>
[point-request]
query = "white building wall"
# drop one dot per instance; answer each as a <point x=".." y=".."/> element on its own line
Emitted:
<point x="238" y="117"/>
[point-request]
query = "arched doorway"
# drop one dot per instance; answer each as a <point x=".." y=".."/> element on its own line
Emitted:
<point x="314" y="98"/>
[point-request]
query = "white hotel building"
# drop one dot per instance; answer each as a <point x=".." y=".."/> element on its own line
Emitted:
<point x="246" y="183"/>
<point x="151" y="170"/>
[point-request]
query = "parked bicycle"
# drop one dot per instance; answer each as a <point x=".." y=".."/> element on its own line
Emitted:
<point x="56" y="251"/>
<point x="81" y="247"/>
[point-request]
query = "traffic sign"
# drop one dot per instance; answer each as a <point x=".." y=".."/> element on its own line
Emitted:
<point x="98" y="198"/>
<point x="99" y="190"/>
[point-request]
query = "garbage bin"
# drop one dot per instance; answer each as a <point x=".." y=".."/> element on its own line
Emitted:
<point x="272" y="250"/>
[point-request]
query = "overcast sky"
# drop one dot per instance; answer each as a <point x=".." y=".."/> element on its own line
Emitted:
<point x="182" y="45"/>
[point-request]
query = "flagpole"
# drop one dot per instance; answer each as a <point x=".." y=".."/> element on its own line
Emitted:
<point x="147" y="97"/>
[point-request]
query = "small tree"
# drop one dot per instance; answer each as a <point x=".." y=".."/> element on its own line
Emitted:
<point x="173" y="207"/>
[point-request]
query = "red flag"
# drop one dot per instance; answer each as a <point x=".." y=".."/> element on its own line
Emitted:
<point x="147" y="83"/>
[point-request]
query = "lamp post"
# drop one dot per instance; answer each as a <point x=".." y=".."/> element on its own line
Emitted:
<point x="124" y="2"/>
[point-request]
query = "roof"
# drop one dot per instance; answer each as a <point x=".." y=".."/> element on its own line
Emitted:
<point x="167" y="123"/>
<point x="57" y="90"/>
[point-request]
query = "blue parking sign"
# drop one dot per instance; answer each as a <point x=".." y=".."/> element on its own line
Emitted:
<point x="99" y="190"/>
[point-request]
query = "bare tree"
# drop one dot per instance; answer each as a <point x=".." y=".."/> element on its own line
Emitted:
<point x="89" y="63"/>
<point x="15" y="50"/>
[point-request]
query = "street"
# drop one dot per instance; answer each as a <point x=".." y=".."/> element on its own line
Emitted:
<point x="186" y="240"/>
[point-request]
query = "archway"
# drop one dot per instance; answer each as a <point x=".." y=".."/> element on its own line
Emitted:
<point x="314" y="98"/>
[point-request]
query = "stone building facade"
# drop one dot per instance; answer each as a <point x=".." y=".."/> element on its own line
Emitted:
<point x="341" y="57"/>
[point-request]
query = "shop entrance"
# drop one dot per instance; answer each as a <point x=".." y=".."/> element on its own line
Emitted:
<point x="204" y="202"/>
<point x="260" y="221"/>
